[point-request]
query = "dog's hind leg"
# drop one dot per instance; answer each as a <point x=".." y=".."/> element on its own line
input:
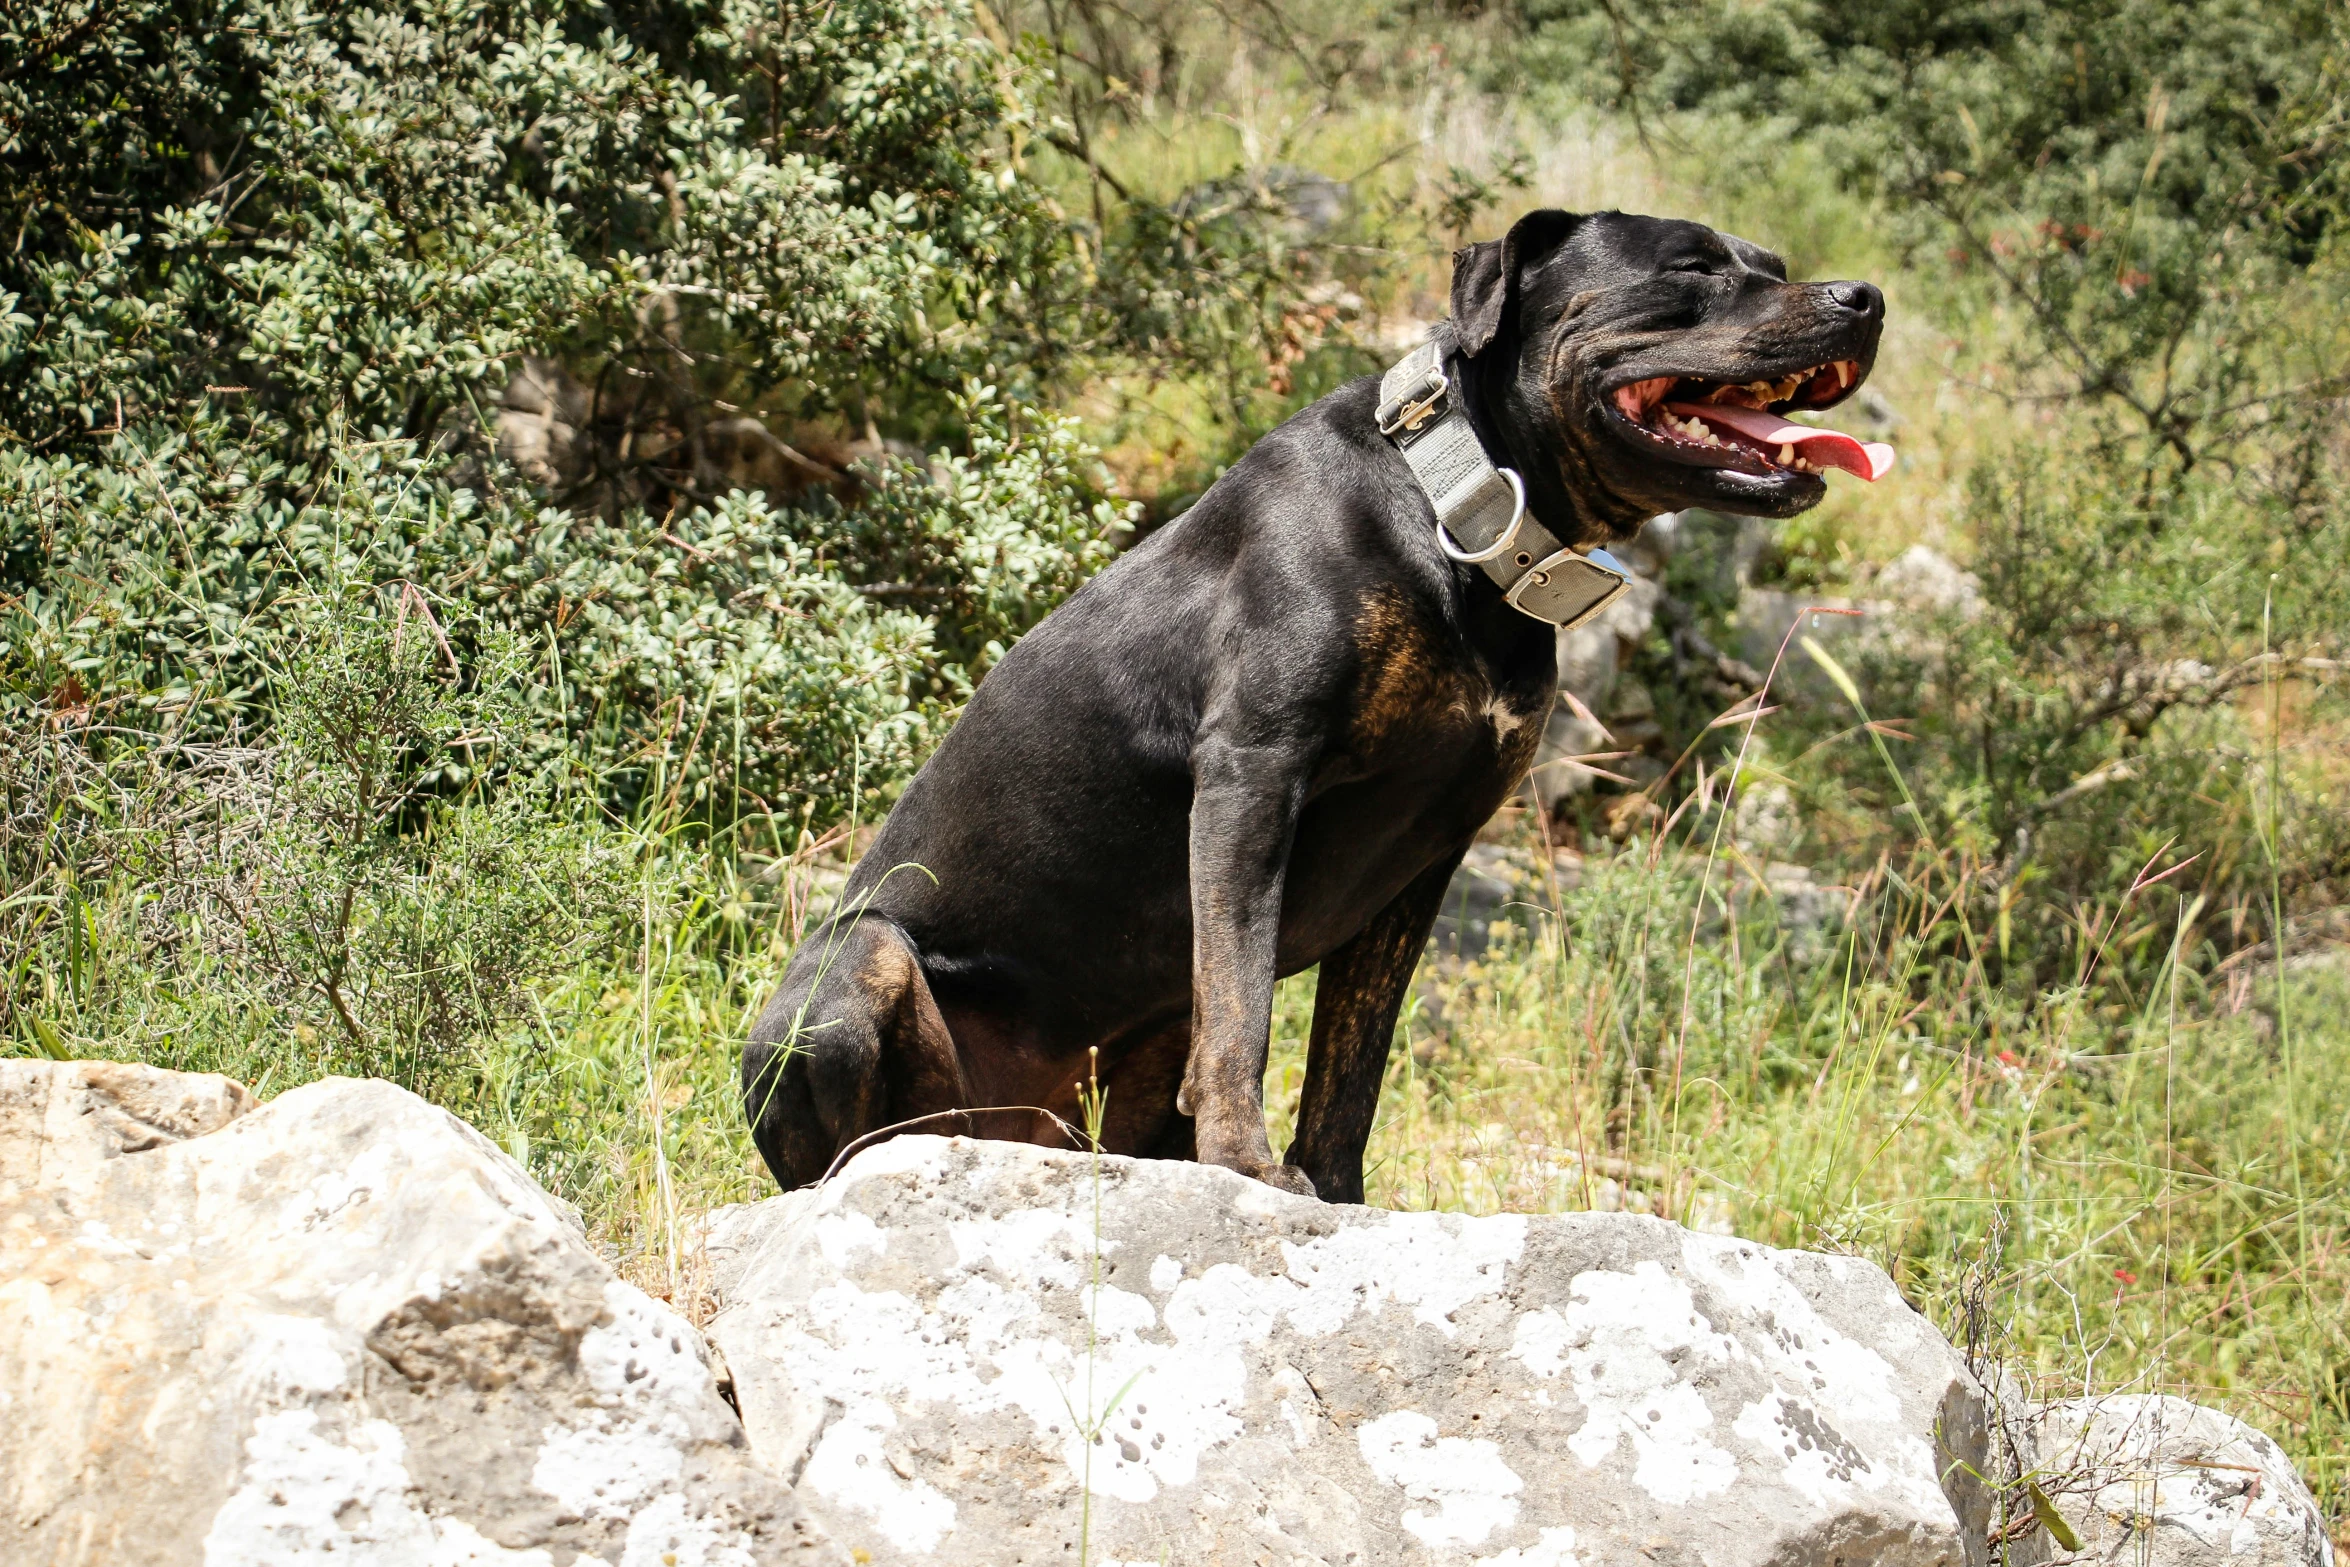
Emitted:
<point x="1356" y="1000"/>
<point x="852" y="1042"/>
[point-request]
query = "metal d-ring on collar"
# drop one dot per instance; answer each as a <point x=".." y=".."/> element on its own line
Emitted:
<point x="1509" y="535"/>
<point x="1481" y="515"/>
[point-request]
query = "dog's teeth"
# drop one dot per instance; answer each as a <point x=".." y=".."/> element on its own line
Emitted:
<point x="1786" y="455"/>
<point x="1843" y="374"/>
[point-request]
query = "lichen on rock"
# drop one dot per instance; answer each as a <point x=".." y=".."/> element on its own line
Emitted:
<point x="1255" y="1372"/>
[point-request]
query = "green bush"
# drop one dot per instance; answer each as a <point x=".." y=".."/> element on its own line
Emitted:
<point x="276" y="265"/>
<point x="378" y="880"/>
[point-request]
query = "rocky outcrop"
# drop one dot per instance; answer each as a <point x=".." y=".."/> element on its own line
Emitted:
<point x="925" y="1347"/>
<point x="341" y="1327"/>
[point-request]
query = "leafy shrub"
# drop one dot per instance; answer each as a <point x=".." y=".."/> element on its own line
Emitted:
<point x="357" y="881"/>
<point x="373" y="884"/>
<point x="278" y="264"/>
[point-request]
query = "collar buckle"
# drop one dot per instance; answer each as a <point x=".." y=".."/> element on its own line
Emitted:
<point x="1405" y="417"/>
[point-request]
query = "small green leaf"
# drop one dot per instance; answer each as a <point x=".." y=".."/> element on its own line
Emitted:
<point x="1118" y="1398"/>
<point x="51" y="1045"/>
<point x="2050" y="1519"/>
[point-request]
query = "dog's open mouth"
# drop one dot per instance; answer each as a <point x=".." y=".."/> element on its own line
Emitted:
<point x="1743" y="425"/>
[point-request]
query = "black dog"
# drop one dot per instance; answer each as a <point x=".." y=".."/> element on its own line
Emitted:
<point x="1265" y="737"/>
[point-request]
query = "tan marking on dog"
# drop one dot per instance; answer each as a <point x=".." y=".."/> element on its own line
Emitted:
<point x="923" y="1065"/>
<point x="1504" y="719"/>
<point x="883" y="971"/>
<point x="1578" y="469"/>
<point x="1403" y="678"/>
<point x="1609" y="517"/>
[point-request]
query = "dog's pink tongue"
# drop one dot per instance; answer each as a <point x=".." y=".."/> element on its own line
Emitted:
<point x="1871" y="460"/>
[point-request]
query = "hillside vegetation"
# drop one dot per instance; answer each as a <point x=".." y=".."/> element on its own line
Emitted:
<point x="496" y="498"/>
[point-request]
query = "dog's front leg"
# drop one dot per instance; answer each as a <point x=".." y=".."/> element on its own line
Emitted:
<point x="1244" y="810"/>
<point x="1355" y="1005"/>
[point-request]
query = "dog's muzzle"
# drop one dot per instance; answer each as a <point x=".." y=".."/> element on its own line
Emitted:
<point x="1481" y="516"/>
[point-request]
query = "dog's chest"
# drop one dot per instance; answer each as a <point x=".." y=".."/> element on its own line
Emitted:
<point x="1422" y="695"/>
<point x="1516" y="717"/>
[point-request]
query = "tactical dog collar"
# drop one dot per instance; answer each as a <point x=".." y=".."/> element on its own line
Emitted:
<point x="1481" y="516"/>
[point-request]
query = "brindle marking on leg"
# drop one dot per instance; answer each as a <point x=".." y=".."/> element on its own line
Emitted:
<point x="1356" y="1001"/>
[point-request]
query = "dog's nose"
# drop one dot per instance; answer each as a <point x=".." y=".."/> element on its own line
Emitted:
<point x="1862" y="299"/>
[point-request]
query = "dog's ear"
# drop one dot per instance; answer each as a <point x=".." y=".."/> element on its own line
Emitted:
<point x="1485" y="276"/>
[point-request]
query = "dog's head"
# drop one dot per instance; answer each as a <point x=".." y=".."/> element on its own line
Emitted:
<point x="1642" y="365"/>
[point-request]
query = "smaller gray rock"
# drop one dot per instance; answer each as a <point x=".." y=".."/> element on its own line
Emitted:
<point x="1308" y="203"/>
<point x="2148" y="1480"/>
<point x="1909" y="601"/>
<point x="1767" y="624"/>
<point x="1925" y="580"/>
<point x="541" y="420"/>
<point x="1591" y="658"/>
<point x="1495" y="884"/>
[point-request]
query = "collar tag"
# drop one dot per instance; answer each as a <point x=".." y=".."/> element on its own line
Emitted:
<point x="1481" y="515"/>
<point x="1568" y="589"/>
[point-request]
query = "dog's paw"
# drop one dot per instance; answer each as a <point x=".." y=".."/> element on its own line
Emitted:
<point x="1234" y="1153"/>
<point x="1285" y="1177"/>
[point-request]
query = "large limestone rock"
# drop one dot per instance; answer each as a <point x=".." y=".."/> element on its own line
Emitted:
<point x="2151" y="1481"/>
<point x="1258" y="1378"/>
<point x="342" y="1328"/>
<point x="338" y="1328"/>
